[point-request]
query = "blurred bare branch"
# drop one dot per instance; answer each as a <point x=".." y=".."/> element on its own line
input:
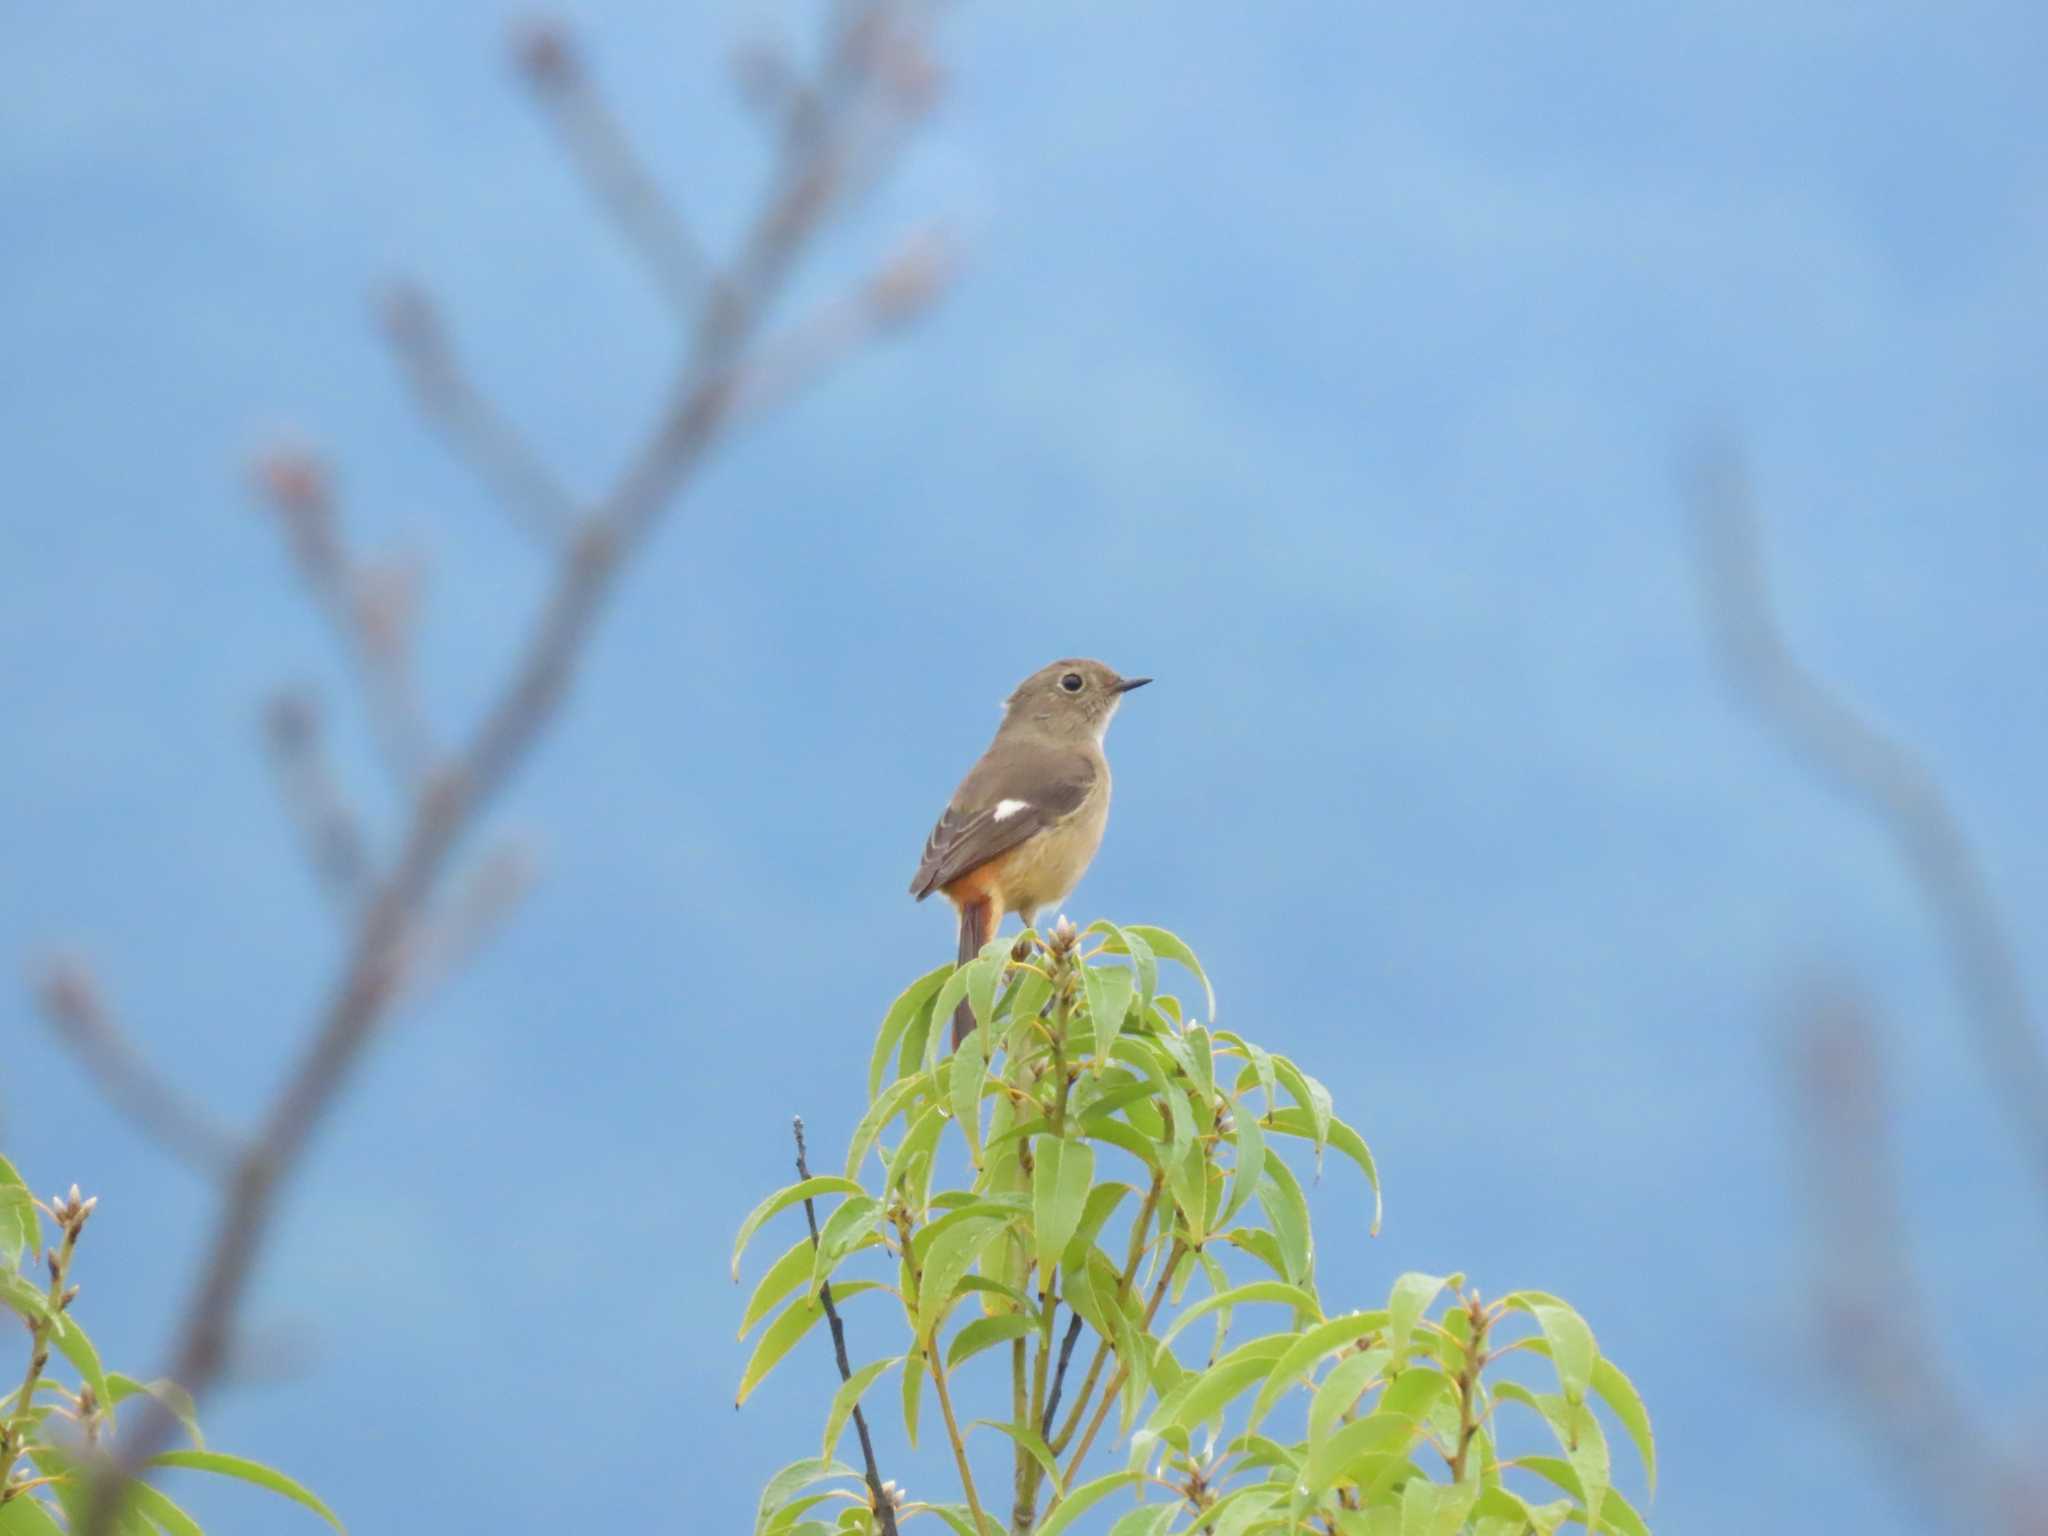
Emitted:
<point x="874" y="78"/>
<point x="606" y="158"/>
<point x="1874" y="1323"/>
<point x="70" y="999"/>
<point x="489" y="895"/>
<point x="524" y="486"/>
<point x="372" y="609"/>
<point x="1893" y="785"/>
<point x="333" y="835"/>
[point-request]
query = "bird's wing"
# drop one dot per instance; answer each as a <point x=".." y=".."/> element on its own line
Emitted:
<point x="1009" y="795"/>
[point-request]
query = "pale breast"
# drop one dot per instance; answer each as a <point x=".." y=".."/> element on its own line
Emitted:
<point x="1051" y="864"/>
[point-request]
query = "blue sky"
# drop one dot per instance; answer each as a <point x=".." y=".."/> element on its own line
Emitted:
<point x="1331" y="364"/>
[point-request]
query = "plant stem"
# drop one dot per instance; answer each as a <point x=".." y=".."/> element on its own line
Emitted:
<point x="1131" y="1260"/>
<point x="1468" y="1384"/>
<point x="13" y="1434"/>
<point x="959" y="1442"/>
<point x="884" y="1505"/>
<point x="1024" y="1492"/>
<point x="1116" y="1379"/>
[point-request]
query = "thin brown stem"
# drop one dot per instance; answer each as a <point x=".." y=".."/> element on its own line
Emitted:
<point x="1116" y="1379"/>
<point x="1132" y="1258"/>
<point x="958" y="1441"/>
<point x="884" y="1505"/>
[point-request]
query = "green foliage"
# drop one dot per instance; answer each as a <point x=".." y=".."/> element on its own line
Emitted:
<point x="54" y="1434"/>
<point x="1055" y="1207"/>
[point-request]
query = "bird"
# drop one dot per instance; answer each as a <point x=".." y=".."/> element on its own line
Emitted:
<point x="1024" y="824"/>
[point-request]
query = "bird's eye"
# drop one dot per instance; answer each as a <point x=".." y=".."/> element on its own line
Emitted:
<point x="1071" y="682"/>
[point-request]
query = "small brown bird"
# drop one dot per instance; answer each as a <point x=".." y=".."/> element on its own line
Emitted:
<point x="1024" y="823"/>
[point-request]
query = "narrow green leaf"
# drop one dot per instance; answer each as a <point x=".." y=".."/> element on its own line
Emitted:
<point x="914" y="1157"/>
<point x="250" y="1472"/>
<point x="1168" y="946"/>
<point x="161" y="1512"/>
<point x="1062" y="1175"/>
<point x="969" y="1073"/>
<point x="781" y="1200"/>
<point x="1309" y="1346"/>
<point x="783" y="1276"/>
<point x="1339" y="1391"/>
<point x="28" y="1516"/>
<point x="1077" y="1503"/>
<point x="1034" y="1447"/>
<point x="21" y="1229"/>
<point x="1410" y="1298"/>
<point x="915" y="1001"/>
<point x="796" y="1320"/>
<point x="1330" y="1458"/>
<point x="1251" y="1164"/>
<point x="848" y="1397"/>
<point x="1572" y="1349"/>
<point x="1302" y="1301"/>
<point x="1620" y="1395"/>
<point x="845" y="1230"/>
<point x="1108" y="990"/>
<point x="1313" y="1099"/>
<point x="77" y="1348"/>
<point x="914" y="1368"/>
<point x="950" y="1254"/>
<point x="1145" y="1520"/>
<point x="985" y="1332"/>
<point x="892" y="1102"/>
<point x="1287" y="1213"/>
<point x="174" y="1397"/>
<point x="794" y="1479"/>
<point x="1215" y="1389"/>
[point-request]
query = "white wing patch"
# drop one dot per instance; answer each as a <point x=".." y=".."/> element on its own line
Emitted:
<point x="1005" y="809"/>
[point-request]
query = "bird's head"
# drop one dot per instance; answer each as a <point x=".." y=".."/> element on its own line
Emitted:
<point x="1071" y="699"/>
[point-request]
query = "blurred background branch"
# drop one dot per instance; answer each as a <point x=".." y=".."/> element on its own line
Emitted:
<point x="835" y="137"/>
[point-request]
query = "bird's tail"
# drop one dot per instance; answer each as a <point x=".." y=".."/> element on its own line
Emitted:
<point x="974" y="932"/>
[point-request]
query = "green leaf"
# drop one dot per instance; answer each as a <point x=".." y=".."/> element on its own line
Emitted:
<point x="793" y="1479"/>
<point x="1330" y="1458"/>
<point x="1187" y="1176"/>
<point x="1339" y="1391"/>
<point x="1620" y="1395"/>
<point x="250" y="1472"/>
<point x="1410" y="1298"/>
<point x="1578" y="1432"/>
<point x="1145" y="1520"/>
<point x="1215" y="1389"/>
<point x="848" y="1397"/>
<point x="915" y="1002"/>
<point x="914" y="1367"/>
<point x="1571" y="1350"/>
<point x="969" y="1073"/>
<point x="77" y="1348"/>
<point x="1303" y="1302"/>
<point x="1616" y="1513"/>
<point x="1313" y="1099"/>
<point x="1077" y="1503"/>
<point x="784" y="1276"/>
<point x="912" y="1161"/>
<point x="986" y="1331"/>
<point x="1168" y="946"/>
<point x="161" y="1512"/>
<point x="947" y="1258"/>
<point x="781" y="1200"/>
<point x="1034" y="1446"/>
<point x="796" y="1320"/>
<point x="21" y="1228"/>
<point x="844" y="1231"/>
<point x="887" y="1107"/>
<point x="1238" y="1511"/>
<point x="1309" y="1346"/>
<point x="28" y="1516"/>
<point x="1432" y="1509"/>
<point x="1062" y="1175"/>
<point x="1287" y="1213"/>
<point x="1251" y="1163"/>
<point x="1109" y="990"/>
<point x="174" y="1397"/>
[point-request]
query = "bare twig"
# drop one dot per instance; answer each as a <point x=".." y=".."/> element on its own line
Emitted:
<point x="71" y="1000"/>
<point x="447" y="797"/>
<point x="334" y="838"/>
<point x="1059" y="1377"/>
<point x="489" y="894"/>
<point x="524" y="486"/>
<point x="881" y="1496"/>
<point x="1895" y="786"/>
<point x="674" y="256"/>
<point x="371" y="609"/>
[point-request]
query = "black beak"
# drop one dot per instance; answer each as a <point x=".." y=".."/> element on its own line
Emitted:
<point x="1126" y="684"/>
